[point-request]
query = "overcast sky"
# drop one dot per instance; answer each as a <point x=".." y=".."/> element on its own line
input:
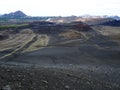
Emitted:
<point x="61" y="7"/>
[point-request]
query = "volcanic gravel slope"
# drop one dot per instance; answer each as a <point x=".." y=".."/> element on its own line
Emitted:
<point x="73" y="57"/>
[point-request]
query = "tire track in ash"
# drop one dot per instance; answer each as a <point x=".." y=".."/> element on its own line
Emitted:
<point x="18" y="51"/>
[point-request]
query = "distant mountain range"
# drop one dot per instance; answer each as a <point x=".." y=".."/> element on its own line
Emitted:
<point x="20" y="14"/>
<point x="17" y="14"/>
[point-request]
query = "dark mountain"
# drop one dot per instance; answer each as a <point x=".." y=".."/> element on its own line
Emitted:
<point x="17" y="14"/>
<point x="115" y="17"/>
<point x="112" y="23"/>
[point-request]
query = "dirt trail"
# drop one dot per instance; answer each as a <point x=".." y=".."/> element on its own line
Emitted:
<point x="19" y="50"/>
